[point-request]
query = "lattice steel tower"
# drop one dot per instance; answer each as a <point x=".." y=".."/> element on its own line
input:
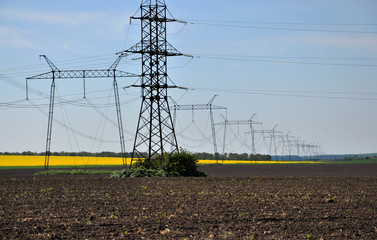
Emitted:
<point x="155" y="132"/>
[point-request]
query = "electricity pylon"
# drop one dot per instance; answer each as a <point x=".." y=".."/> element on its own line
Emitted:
<point x="155" y="131"/>
<point x="273" y="136"/>
<point x="56" y="73"/>
<point x="195" y="107"/>
<point x="298" y="144"/>
<point x="249" y="122"/>
<point x="289" y="140"/>
<point x="311" y="150"/>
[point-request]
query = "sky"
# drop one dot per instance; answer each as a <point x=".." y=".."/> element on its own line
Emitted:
<point x="308" y="67"/>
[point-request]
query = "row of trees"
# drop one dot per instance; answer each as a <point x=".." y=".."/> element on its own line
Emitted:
<point x="232" y="156"/>
<point x="203" y="155"/>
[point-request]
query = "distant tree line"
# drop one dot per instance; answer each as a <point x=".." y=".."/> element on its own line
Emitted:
<point x="232" y="156"/>
<point x="359" y="158"/>
<point x="202" y="155"/>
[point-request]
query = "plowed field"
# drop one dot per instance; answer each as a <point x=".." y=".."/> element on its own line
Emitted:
<point x="280" y="207"/>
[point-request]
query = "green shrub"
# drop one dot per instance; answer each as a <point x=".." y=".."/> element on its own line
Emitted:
<point x="184" y="163"/>
<point x="158" y="162"/>
<point x="133" y="173"/>
<point x="177" y="164"/>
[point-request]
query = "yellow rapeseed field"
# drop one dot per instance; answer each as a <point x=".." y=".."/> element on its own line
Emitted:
<point x="18" y="161"/>
<point x="35" y="161"/>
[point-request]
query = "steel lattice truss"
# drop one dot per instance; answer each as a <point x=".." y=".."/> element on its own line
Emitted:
<point x="238" y="122"/>
<point x="155" y="131"/>
<point x="101" y="73"/>
<point x="193" y="107"/>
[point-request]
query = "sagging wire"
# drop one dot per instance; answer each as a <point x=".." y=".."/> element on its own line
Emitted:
<point x="280" y="28"/>
<point x="181" y="30"/>
<point x="187" y="63"/>
<point x="128" y="32"/>
<point x="105" y="113"/>
<point x="71" y="129"/>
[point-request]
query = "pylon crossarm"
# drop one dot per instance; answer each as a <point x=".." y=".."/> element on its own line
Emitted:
<point x="196" y="107"/>
<point x="241" y="122"/>
<point x="155" y="19"/>
<point x="163" y="50"/>
<point x="101" y="73"/>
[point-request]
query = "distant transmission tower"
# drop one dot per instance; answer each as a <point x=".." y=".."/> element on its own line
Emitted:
<point x="249" y="122"/>
<point x="195" y="107"/>
<point x="155" y="131"/>
<point x="56" y="73"/>
<point x="272" y="137"/>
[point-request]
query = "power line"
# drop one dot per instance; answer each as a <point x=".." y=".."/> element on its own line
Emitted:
<point x="252" y="92"/>
<point x="287" y="62"/>
<point x="74" y="130"/>
<point x="284" y="57"/>
<point x="36" y="40"/>
<point x="315" y="92"/>
<point x="282" y="23"/>
<point x="23" y="104"/>
<point x="280" y="28"/>
<point x="75" y="102"/>
<point x="201" y="55"/>
<point x="66" y="63"/>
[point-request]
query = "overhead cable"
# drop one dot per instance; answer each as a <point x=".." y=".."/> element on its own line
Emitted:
<point x="214" y="24"/>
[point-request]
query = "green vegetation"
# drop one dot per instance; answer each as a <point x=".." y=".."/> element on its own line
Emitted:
<point x="353" y="159"/>
<point x="178" y="164"/>
<point x="20" y="167"/>
<point x="183" y="163"/>
<point x="49" y="189"/>
<point x="74" y="172"/>
<point x="141" y="173"/>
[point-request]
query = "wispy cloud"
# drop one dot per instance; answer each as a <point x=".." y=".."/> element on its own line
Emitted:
<point x="23" y="28"/>
<point x="52" y="18"/>
<point x="11" y="39"/>
<point x="97" y="21"/>
<point x="366" y="44"/>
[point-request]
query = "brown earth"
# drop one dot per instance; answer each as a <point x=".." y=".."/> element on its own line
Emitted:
<point x="296" y="206"/>
<point x="288" y="170"/>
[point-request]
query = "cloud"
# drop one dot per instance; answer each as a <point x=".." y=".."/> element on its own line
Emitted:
<point x="363" y="43"/>
<point x="13" y="39"/>
<point x="95" y="21"/>
<point x="78" y="30"/>
<point x="52" y="18"/>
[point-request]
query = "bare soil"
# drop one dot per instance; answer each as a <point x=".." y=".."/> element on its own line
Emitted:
<point x="284" y="170"/>
<point x="300" y="206"/>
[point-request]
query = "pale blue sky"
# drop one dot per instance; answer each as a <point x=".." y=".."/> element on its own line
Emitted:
<point x="308" y="66"/>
